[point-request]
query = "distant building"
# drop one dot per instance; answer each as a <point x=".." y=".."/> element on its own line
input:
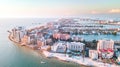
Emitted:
<point x="64" y="36"/>
<point x="41" y="42"/>
<point x="19" y="36"/>
<point x="56" y="35"/>
<point x="105" y="48"/>
<point x="33" y="39"/>
<point x="39" y="35"/>
<point x="14" y="32"/>
<point x="93" y="54"/>
<point x="18" y="33"/>
<point x="25" y="40"/>
<point x="75" y="46"/>
<point x="61" y="36"/>
<point x="76" y="38"/>
<point x="56" y="25"/>
<point x="58" y="47"/>
<point x="50" y="25"/>
<point x="49" y="42"/>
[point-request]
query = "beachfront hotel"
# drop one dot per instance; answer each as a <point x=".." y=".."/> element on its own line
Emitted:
<point x="105" y="48"/>
<point x="59" y="47"/>
<point x="76" y="46"/>
<point x="62" y="47"/>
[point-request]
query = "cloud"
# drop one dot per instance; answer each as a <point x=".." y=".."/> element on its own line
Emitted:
<point x="95" y="12"/>
<point x="114" y="11"/>
<point x="105" y="11"/>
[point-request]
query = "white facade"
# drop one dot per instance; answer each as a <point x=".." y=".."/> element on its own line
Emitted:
<point x="58" y="47"/>
<point x="105" y="48"/>
<point x="19" y="35"/>
<point x="14" y="32"/>
<point x="75" y="46"/>
<point x="105" y="44"/>
<point x="17" y="38"/>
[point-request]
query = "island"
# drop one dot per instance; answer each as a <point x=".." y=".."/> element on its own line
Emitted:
<point x="62" y="39"/>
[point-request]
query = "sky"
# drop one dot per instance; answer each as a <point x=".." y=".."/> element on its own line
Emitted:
<point x="54" y="8"/>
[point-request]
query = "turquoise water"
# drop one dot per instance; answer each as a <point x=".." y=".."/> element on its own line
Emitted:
<point x="97" y="37"/>
<point x="12" y="55"/>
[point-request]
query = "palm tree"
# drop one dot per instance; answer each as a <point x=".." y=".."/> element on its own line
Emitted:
<point x="83" y="53"/>
<point x="65" y="50"/>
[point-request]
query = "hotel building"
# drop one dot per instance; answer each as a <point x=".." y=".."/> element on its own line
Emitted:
<point x="59" y="47"/>
<point x="105" y="48"/>
<point x="75" y="46"/>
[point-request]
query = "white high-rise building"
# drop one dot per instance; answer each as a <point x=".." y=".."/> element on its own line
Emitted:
<point x="105" y="48"/>
<point x="58" y="47"/>
<point x="19" y="35"/>
<point x="75" y="46"/>
<point x="14" y="32"/>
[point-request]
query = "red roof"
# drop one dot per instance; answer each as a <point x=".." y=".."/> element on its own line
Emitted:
<point x="110" y="50"/>
<point x="106" y="50"/>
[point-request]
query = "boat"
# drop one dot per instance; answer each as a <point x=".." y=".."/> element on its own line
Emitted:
<point x="42" y="62"/>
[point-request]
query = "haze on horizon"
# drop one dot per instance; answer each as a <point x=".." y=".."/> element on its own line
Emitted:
<point x="57" y="8"/>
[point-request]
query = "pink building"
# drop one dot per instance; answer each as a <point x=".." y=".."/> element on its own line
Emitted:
<point x="64" y="36"/>
<point x="105" y="48"/>
<point x="61" y="36"/>
<point x="56" y="35"/>
<point x="25" y="40"/>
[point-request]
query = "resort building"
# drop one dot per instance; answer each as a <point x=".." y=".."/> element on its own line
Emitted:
<point x="76" y="46"/>
<point x="105" y="48"/>
<point x="58" y="47"/>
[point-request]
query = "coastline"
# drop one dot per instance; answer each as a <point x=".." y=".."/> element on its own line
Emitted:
<point x="62" y="57"/>
<point x="40" y="51"/>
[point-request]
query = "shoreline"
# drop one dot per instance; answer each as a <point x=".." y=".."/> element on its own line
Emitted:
<point x="62" y="57"/>
<point x="42" y="51"/>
